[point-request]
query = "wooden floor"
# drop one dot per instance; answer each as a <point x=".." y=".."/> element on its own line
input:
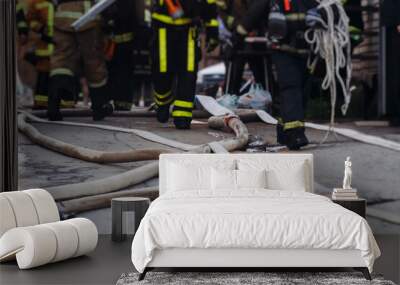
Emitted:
<point x="110" y="259"/>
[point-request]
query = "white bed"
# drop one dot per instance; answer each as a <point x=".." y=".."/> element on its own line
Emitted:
<point x="194" y="223"/>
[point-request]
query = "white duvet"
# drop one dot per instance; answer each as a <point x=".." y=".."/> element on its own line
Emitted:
<point x="250" y="219"/>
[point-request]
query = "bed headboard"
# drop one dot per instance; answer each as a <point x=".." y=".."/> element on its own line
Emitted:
<point x="268" y="158"/>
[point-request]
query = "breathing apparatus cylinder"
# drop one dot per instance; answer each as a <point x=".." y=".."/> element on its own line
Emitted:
<point x="277" y="26"/>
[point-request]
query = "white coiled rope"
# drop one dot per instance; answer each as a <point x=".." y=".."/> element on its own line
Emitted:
<point x="332" y="43"/>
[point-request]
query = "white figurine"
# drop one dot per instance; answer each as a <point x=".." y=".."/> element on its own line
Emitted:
<point x="347" y="174"/>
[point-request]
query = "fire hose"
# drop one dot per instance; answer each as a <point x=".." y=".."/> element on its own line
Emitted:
<point x="98" y="188"/>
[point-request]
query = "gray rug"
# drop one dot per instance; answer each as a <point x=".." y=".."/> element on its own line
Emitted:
<point x="243" y="278"/>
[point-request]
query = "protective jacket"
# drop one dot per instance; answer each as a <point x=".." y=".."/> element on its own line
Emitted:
<point x="69" y="11"/>
<point x="40" y="19"/>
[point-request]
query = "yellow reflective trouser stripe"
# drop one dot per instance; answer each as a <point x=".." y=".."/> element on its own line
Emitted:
<point x="179" y="113"/>
<point x="293" y="125"/>
<point x="184" y="104"/>
<point x="123" y="104"/>
<point x="169" y="20"/>
<point x="45" y="52"/>
<point x="162" y="39"/>
<point x="41" y="98"/>
<point x="295" y="16"/>
<point x="123" y="38"/>
<point x="33" y="24"/>
<point x="161" y="103"/>
<point x="68" y="14"/>
<point x="98" y="84"/>
<point x="22" y="24"/>
<point x="50" y="20"/>
<point x="67" y="104"/>
<point x="212" y="23"/>
<point x="161" y="96"/>
<point x="190" y="52"/>
<point x="211" y="1"/>
<point x="61" y="71"/>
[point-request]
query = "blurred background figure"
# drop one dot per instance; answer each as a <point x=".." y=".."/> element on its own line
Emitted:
<point x="120" y="20"/>
<point x="76" y="51"/>
<point x="390" y="18"/>
<point x="142" y="55"/>
<point x="231" y="12"/>
<point x="37" y="27"/>
<point x="176" y="53"/>
<point x="286" y="22"/>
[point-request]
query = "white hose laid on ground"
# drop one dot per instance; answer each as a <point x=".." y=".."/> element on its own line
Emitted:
<point x="84" y="153"/>
<point x="148" y="171"/>
<point x="212" y="106"/>
<point x="332" y="44"/>
<point x="141" y="133"/>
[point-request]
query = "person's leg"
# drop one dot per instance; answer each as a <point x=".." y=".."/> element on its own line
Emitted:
<point x="257" y="65"/>
<point x="290" y="77"/>
<point x="162" y="72"/>
<point x="41" y="90"/>
<point x="234" y="75"/>
<point x="62" y="73"/>
<point x="186" y="82"/>
<point x="121" y="77"/>
<point x="95" y="71"/>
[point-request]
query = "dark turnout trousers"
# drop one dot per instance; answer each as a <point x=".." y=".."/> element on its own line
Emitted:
<point x="175" y="55"/>
<point x="291" y="75"/>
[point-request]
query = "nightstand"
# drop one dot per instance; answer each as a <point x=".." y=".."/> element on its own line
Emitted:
<point x="126" y="213"/>
<point x="357" y="206"/>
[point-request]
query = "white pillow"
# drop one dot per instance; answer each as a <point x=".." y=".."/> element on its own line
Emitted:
<point x="284" y="174"/>
<point x="185" y="175"/>
<point x="232" y="180"/>
<point x="223" y="179"/>
<point x="251" y="178"/>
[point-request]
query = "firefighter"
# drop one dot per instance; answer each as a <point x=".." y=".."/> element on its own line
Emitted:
<point x="286" y="26"/>
<point x="40" y="19"/>
<point x="22" y="25"/>
<point x="231" y="12"/>
<point x="175" y="54"/>
<point x="142" y="55"/>
<point x="77" y="51"/>
<point x="120" y="18"/>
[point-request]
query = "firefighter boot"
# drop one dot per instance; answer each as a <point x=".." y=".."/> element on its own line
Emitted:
<point x="182" y="123"/>
<point x="163" y="113"/>
<point x="295" y="138"/>
<point x="56" y="90"/>
<point x="100" y="106"/>
<point x="280" y="134"/>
